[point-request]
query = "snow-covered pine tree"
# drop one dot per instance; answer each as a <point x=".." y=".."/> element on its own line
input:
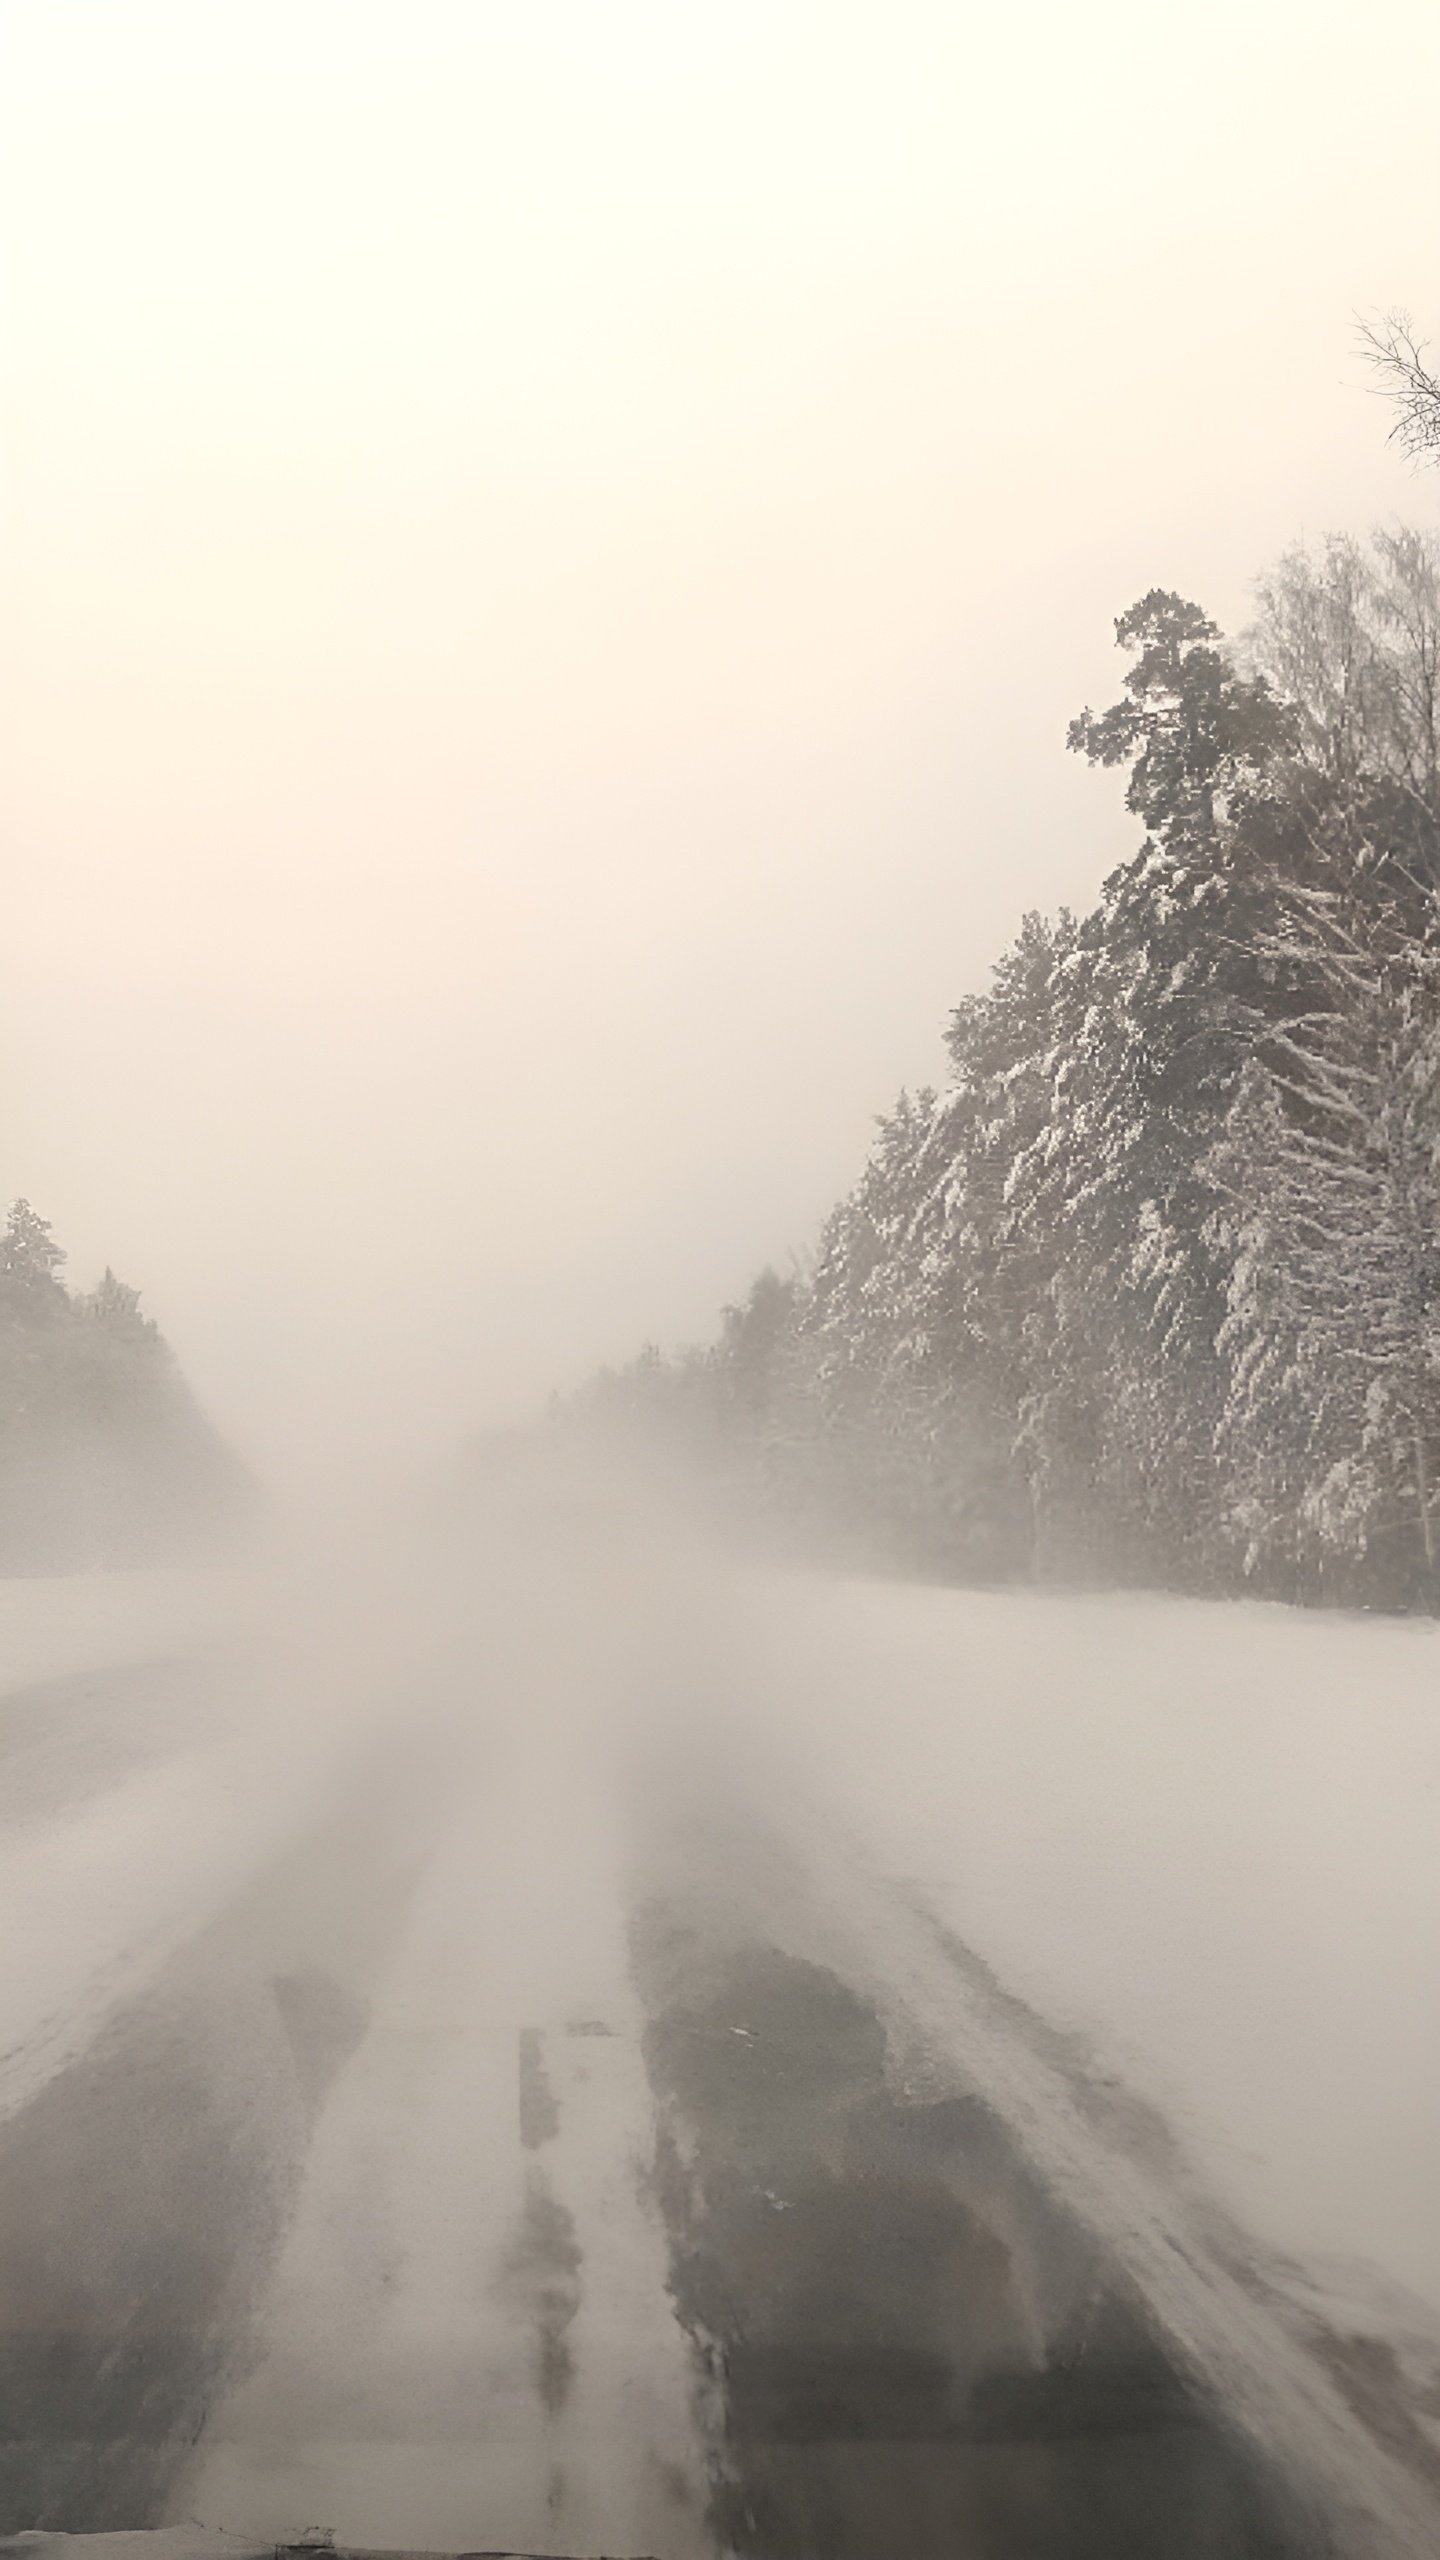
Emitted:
<point x="1151" y="1288"/>
<point x="861" y="1318"/>
<point x="1119" y="1420"/>
<point x="1327" y="1167"/>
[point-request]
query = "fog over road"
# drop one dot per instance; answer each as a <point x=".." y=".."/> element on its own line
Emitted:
<point x="477" y="2071"/>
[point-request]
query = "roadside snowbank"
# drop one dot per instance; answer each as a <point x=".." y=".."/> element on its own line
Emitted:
<point x="1207" y="1837"/>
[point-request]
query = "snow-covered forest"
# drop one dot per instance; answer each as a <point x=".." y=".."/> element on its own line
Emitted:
<point x="105" y="1458"/>
<point x="1150" y="1292"/>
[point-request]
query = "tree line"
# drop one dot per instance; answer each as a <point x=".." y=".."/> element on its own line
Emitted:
<point x="105" y="1457"/>
<point x="1150" y="1291"/>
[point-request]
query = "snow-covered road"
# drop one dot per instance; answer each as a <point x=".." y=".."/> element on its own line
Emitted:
<point x="576" y="2051"/>
<point x="469" y="2332"/>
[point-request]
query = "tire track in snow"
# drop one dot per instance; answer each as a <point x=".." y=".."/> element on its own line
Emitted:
<point x="469" y="2341"/>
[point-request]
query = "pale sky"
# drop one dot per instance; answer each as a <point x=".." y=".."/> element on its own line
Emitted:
<point x="549" y="550"/>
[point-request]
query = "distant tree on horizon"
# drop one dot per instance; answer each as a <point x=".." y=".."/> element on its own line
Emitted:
<point x="30" y="1260"/>
<point x="105" y="1456"/>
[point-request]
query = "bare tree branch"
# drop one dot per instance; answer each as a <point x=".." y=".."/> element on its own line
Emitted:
<point x="1397" y="356"/>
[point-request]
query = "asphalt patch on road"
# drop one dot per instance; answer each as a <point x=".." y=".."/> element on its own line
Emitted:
<point x="905" y="2345"/>
<point x="539" y="2106"/>
<point x="542" y="2279"/>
